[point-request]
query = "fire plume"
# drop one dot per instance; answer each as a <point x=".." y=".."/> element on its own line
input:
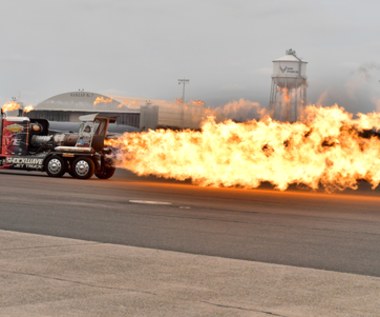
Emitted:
<point x="101" y="100"/>
<point x="329" y="148"/>
<point x="28" y="108"/>
<point x="285" y="95"/>
<point x="11" y="106"/>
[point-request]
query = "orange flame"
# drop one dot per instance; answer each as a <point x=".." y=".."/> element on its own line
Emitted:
<point x="28" y="108"/>
<point x="285" y="95"/>
<point x="238" y="110"/>
<point x="327" y="148"/>
<point x="102" y="99"/>
<point x="198" y="102"/>
<point x="127" y="103"/>
<point x="11" y="106"/>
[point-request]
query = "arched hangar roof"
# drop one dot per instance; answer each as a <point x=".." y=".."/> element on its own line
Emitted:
<point x="82" y="101"/>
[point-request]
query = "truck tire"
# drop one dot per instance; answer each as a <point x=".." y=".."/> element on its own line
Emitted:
<point x="83" y="168"/>
<point x="55" y="166"/>
<point x="105" y="173"/>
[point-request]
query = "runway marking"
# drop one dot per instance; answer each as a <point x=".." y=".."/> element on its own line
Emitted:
<point x="150" y="202"/>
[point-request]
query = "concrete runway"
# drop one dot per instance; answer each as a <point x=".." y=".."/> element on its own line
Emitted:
<point x="49" y="276"/>
<point x="334" y="232"/>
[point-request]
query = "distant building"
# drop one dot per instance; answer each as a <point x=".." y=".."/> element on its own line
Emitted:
<point x="70" y="106"/>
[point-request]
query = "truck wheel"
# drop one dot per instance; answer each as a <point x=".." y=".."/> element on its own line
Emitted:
<point x="105" y="173"/>
<point x="55" y="166"/>
<point x="83" y="168"/>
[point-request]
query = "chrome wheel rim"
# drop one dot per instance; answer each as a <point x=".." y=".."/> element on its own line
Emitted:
<point x="54" y="166"/>
<point x="82" y="168"/>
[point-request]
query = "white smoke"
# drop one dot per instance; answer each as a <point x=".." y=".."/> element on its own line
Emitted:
<point x="367" y="70"/>
<point x="195" y="111"/>
<point x="363" y="85"/>
<point x="377" y="103"/>
<point x="239" y="110"/>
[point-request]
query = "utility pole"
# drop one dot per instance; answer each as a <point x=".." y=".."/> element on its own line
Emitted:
<point x="183" y="82"/>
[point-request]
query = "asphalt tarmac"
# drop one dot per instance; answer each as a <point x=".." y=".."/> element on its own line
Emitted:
<point x="336" y="232"/>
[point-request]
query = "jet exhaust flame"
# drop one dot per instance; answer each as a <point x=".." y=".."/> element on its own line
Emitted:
<point x="11" y="106"/>
<point x="14" y="105"/>
<point x="329" y="148"/>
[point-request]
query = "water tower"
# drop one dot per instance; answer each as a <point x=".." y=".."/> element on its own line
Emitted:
<point x="288" y="90"/>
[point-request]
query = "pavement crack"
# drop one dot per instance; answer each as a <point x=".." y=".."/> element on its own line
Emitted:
<point x="50" y="246"/>
<point x="80" y="282"/>
<point x="243" y="308"/>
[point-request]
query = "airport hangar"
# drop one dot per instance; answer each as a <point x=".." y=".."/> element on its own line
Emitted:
<point x="68" y="107"/>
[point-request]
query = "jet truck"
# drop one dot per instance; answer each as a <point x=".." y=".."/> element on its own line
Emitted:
<point x="27" y="144"/>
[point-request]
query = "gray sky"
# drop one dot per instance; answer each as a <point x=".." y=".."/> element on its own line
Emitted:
<point x="225" y="47"/>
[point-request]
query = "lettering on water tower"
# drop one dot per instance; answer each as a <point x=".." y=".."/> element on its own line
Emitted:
<point x="289" y="70"/>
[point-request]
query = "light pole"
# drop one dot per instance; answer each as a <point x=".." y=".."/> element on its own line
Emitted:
<point x="183" y="82"/>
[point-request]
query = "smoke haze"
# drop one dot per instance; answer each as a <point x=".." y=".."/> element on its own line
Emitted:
<point x="225" y="48"/>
